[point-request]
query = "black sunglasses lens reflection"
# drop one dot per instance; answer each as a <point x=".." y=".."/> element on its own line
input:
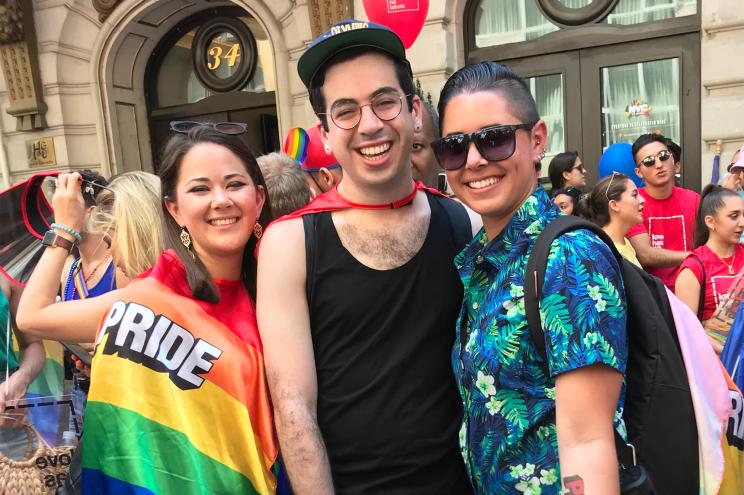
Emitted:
<point x="232" y="128"/>
<point x="495" y="144"/>
<point x="492" y="144"/>
<point x="663" y="156"/>
<point x="452" y="152"/>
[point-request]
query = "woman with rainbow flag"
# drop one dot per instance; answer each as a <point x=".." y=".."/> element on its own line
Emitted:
<point x="178" y="401"/>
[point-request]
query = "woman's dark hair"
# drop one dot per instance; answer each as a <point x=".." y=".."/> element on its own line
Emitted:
<point x="315" y="91"/>
<point x="712" y="200"/>
<point x="91" y="186"/>
<point x="200" y="282"/>
<point x="562" y="162"/>
<point x="595" y="205"/>
<point x="490" y="76"/>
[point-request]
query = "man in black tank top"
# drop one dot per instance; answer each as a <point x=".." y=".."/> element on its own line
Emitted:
<point x="358" y="294"/>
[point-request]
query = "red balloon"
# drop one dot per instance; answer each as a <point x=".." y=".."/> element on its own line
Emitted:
<point x="405" y="17"/>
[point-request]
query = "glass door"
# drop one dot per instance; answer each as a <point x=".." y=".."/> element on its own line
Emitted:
<point x="648" y="86"/>
<point x="592" y="98"/>
<point x="554" y="81"/>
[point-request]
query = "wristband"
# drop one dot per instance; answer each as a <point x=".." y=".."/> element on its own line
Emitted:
<point x="68" y="230"/>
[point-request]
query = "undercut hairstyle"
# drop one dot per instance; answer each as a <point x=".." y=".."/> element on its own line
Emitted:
<point x="199" y="279"/>
<point x="645" y="139"/>
<point x="595" y="206"/>
<point x="712" y="199"/>
<point x="490" y="76"/>
<point x="675" y="149"/>
<point x="315" y="91"/>
<point x="129" y="213"/>
<point x="434" y="117"/>
<point x="285" y="183"/>
<point x="562" y="162"/>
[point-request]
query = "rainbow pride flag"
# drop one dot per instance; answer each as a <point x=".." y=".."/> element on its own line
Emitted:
<point x="296" y="144"/>
<point x="178" y="402"/>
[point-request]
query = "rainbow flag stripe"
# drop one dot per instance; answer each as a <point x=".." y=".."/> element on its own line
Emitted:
<point x="178" y="402"/>
<point x="296" y="144"/>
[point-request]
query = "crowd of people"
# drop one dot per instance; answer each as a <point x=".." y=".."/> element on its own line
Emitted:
<point x="373" y="338"/>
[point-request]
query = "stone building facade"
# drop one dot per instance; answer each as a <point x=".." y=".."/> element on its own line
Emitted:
<point x="94" y="83"/>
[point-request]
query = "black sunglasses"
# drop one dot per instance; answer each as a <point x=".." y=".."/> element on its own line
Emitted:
<point x="649" y="161"/>
<point x="494" y="143"/>
<point x="229" y="128"/>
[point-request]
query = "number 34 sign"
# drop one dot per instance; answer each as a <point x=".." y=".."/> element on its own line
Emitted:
<point x="224" y="54"/>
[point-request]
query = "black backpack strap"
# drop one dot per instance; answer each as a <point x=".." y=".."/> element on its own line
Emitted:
<point x="534" y="278"/>
<point x="459" y="221"/>
<point x="701" y="301"/>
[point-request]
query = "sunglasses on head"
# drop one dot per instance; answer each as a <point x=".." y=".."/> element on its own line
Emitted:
<point x="649" y="161"/>
<point x="229" y="128"/>
<point x="494" y="143"/>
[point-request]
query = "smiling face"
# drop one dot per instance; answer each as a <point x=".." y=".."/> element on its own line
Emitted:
<point x="728" y="222"/>
<point x="661" y="173"/>
<point x="629" y="208"/>
<point x="216" y="201"/>
<point x="375" y="153"/>
<point x="495" y="190"/>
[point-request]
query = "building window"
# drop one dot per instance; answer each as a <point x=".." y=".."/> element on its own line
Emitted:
<point x="498" y="22"/>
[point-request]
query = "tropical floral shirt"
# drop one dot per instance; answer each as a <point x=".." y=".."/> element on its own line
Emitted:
<point x="508" y="435"/>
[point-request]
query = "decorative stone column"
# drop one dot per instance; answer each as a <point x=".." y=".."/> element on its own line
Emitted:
<point x="20" y="66"/>
<point x="323" y="13"/>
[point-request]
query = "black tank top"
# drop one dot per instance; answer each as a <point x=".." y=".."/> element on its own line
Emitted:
<point x="388" y="406"/>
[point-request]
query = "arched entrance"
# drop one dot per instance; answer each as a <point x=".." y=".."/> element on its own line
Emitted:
<point x="216" y="66"/>
<point x="131" y="55"/>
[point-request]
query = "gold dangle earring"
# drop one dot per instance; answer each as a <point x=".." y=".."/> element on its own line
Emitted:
<point x="186" y="241"/>
<point x="258" y="231"/>
<point x="185" y="238"/>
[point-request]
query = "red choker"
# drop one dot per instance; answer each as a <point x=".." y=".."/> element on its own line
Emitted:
<point x="398" y="203"/>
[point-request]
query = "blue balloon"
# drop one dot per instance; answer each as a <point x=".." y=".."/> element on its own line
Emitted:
<point x="619" y="158"/>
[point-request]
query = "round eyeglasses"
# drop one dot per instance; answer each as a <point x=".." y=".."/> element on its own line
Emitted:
<point x="347" y="114"/>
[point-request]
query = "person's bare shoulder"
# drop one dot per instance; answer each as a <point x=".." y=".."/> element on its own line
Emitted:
<point x="284" y="236"/>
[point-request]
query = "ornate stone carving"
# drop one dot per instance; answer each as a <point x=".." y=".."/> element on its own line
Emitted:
<point x="323" y="13"/>
<point x="11" y="22"/>
<point x="104" y="8"/>
<point x="19" y="65"/>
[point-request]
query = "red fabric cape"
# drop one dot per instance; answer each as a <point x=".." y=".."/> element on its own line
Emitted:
<point x="332" y="200"/>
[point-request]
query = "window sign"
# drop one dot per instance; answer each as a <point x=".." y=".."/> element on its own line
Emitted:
<point x="639" y="99"/>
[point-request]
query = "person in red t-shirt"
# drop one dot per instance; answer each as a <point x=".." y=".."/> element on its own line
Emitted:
<point x="718" y="227"/>
<point x="664" y="238"/>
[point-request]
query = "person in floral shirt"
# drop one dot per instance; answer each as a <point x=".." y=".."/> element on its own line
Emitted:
<point x="523" y="431"/>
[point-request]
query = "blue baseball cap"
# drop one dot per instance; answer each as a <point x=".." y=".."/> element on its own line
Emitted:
<point x="346" y="34"/>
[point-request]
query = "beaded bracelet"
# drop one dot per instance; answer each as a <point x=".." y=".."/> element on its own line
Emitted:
<point x="70" y="231"/>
